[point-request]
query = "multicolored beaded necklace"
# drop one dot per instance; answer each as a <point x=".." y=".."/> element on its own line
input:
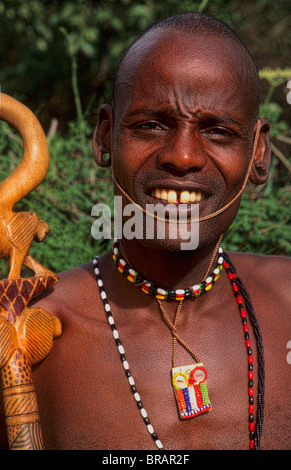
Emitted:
<point x="163" y="294"/>
<point x="189" y="381"/>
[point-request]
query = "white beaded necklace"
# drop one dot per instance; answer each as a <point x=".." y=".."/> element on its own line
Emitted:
<point x="125" y="364"/>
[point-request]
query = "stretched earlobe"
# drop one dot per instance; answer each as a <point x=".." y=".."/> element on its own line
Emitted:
<point x="102" y="137"/>
<point x="100" y="156"/>
<point x="260" y="170"/>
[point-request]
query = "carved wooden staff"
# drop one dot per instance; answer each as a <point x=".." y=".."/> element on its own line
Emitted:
<point x="26" y="334"/>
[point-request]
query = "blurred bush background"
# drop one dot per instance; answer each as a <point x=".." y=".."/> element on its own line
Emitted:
<point x="58" y="58"/>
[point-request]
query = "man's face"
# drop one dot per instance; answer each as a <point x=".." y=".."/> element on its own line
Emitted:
<point x="184" y="124"/>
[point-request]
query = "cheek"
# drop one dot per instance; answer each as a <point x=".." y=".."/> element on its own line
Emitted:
<point x="231" y="164"/>
<point x="129" y="157"/>
<point x="123" y="160"/>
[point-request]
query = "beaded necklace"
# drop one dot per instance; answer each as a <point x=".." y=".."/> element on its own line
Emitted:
<point x="149" y="287"/>
<point x="189" y="381"/>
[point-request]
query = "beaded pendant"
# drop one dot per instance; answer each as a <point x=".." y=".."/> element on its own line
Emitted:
<point x="190" y="388"/>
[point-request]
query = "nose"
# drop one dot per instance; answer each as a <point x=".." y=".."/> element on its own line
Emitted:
<point x="183" y="151"/>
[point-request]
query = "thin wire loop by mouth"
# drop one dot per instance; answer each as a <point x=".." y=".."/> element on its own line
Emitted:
<point x="200" y="219"/>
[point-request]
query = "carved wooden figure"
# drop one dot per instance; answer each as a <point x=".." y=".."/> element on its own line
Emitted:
<point x="26" y="334"/>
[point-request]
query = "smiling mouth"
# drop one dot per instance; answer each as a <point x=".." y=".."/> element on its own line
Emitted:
<point x="173" y="196"/>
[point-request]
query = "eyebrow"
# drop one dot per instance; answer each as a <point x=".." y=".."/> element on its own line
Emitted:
<point x="150" y="112"/>
<point x="204" y="116"/>
<point x="222" y="119"/>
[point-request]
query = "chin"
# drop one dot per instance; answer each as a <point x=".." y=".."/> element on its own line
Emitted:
<point x="202" y="235"/>
<point x="168" y="242"/>
<point x="161" y="244"/>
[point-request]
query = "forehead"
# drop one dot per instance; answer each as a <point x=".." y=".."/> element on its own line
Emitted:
<point x="165" y="63"/>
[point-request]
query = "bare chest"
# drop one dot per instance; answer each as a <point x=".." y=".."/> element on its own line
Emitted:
<point x="109" y="396"/>
<point x="99" y="381"/>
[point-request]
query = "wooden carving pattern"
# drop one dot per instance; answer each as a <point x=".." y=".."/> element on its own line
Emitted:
<point x="26" y="334"/>
<point x="29" y="437"/>
<point x="20" y="230"/>
<point x="17" y="231"/>
<point x="20" y="404"/>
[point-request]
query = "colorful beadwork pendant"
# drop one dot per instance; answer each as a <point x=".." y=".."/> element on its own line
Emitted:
<point x="190" y="388"/>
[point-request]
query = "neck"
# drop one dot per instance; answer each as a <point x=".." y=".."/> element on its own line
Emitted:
<point x="166" y="268"/>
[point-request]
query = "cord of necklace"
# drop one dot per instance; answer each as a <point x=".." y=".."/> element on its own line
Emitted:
<point x="173" y="326"/>
<point x="213" y="257"/>
<point x="176" y="337"/>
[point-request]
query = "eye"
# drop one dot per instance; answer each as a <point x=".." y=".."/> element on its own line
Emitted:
<point x="218" y="134"/>
<point x="149" y="126"/>
<point x="220" y="131"/>
<point x="149" y="129"/>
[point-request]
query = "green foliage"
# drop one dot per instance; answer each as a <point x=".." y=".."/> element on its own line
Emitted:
<point x="39" y="39"/>
<point x="262" y="225"/>
<point x="64" y="199"/>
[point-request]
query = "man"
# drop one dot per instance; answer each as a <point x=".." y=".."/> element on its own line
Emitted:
<point x="183" y="128"/>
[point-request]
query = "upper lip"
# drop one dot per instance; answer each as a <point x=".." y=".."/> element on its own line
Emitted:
<point x="179" y="186"/>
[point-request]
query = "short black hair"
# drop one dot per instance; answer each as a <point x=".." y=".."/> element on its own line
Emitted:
<point x="194" y="22"/>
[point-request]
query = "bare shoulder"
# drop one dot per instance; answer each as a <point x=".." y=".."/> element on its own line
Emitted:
<point x="72" y="290"/>
<point x="261" y="260"/>
<point x="267" y="280"/>
<point x="265" y="271"/>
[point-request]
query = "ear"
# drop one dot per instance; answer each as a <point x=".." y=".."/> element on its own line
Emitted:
<point x="102" y="136"/>
<point x="260" y="170"/>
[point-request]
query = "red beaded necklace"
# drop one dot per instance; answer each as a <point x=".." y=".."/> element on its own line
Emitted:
<point x="190" y="381"/>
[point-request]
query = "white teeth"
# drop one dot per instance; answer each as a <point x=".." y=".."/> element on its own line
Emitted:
<point x="164" y="195"/>
<point x="157" y="194"/>
<point x="173" y="197"/>
<point x="184" y="197"/>
<point x="193" y="196"/>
